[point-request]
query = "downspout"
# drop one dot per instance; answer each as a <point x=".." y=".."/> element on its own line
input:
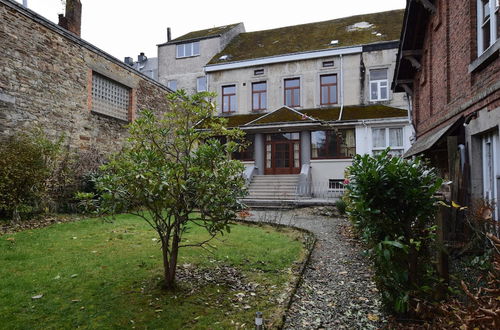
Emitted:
<point x="341" y="86"/>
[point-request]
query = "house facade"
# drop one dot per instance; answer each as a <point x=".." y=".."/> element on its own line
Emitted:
<point x="310" y="97"/>
<point x="449" y="62"/>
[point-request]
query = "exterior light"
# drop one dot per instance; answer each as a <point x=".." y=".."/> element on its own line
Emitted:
<point x="259" y="321"/>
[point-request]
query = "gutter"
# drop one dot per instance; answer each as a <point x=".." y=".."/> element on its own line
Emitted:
<point x="341" y="86"/>
<point x="283" y="58"/>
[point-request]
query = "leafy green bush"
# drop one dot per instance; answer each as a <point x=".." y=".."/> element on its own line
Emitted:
<point x="27" y="162"/>
<point x="341" y="206"/>
<point x="391" y="203"/>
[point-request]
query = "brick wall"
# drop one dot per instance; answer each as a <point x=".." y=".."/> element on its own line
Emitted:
<point x="45" y="74"/>
<point x="444" y="88"/>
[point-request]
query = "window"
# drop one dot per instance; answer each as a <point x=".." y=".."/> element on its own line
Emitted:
<point x="258" y="72"/>
<point x="328" y="89"/>
<point x="333" y="144"/>
<point x="172" y="84"/>
<point x="490" y="168"/>
<point x="110" y="98"/>
<point x="189" y="49"/>
<point x="292" y="92"/>
<point x="201" y="84"/>
<point x="487" y="24"/>
<point x="259" y="96"/>
<point x="378" y="85"/>
<point x="336" y="185"/>
<point x="248" y="153"/>
<point x="388" y="137"/>
<point x="328" y="64"/>
<point x="229" y="98"/>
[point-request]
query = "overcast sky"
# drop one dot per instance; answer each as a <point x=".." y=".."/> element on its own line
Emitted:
<point x="126" y="28"/>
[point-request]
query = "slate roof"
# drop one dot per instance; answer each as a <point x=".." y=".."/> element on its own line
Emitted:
<point x="204" y="34"/>
<point x="383" y="26"/>
<point x="287" y="115"/>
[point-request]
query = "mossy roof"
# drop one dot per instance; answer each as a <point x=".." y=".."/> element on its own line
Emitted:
<point x="203" y="34"/>
<point x="286" y="115"/>
<point x="383" y="26"/>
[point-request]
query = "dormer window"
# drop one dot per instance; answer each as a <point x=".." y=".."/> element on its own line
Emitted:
<point x="188" y="49"/>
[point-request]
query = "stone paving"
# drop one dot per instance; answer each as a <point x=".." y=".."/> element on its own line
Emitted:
<point x="337" y="290"/>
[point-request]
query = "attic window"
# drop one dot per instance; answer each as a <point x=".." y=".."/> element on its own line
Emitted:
<point x="328" y="64"/>
<point x="188" y="49"/>
<point x="258" y="72"/>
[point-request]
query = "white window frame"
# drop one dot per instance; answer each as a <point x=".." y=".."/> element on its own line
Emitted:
<point x="490" y="149"/>
<point x="172" y="84"/>
<point x="193" y="51"/>
<point x="198" y="89"/>
<point x="379" y="87"/>
<point x="492" y="21"/>
<point x="400" y="148"/>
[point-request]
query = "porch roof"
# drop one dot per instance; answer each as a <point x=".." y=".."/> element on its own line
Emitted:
<point x="317" y="115"/>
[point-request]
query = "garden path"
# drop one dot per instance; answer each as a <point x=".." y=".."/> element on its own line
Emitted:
<point x="337" y="290"/>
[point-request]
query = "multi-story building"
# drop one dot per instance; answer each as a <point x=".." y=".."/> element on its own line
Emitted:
<point x="449" y="62"/>
<point x="309" y="96"/>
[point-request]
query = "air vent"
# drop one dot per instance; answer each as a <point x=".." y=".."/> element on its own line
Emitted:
<point x="258" y="72"/>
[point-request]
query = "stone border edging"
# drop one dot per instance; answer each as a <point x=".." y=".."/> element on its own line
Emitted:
<point x="310" y="248"/>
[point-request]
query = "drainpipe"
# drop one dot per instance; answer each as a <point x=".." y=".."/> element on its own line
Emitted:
<point x="341" y="86"/>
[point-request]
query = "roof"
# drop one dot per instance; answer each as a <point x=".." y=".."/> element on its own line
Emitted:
<point x="411" y="40"/>
<point x="288" y="115"/>
<point x="349" y="31"/>
<point x="204" y="34"/>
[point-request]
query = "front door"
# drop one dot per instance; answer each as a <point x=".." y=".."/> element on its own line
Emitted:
<point x="283" y="153"/>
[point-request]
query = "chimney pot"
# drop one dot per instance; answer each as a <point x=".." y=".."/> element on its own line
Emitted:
<point x="169" y="35"/>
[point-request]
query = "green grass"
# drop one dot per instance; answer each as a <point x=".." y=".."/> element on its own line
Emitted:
<point x="97" y="274"/>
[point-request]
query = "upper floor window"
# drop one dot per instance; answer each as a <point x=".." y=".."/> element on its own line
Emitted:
<point x="110" y="98"/>
<point x="379" y="85"/>
<point x="229" y="98"/>
<point x="388" y="137"/>
<point x="487" y="24"/>
<point x="328" y="89"/>
<point x="189" y="49"/>
<point x="172" y="84"/>
<point x="201" y="84"/>
<point x="333" y="144"/>
<point x="259" y="96"/>
<point x="292" y="92"/>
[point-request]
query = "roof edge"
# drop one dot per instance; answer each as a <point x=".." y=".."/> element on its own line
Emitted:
<point x="74" y="38"/>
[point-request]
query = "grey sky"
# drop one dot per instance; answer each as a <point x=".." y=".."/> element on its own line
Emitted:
<point x="126" y="28"/>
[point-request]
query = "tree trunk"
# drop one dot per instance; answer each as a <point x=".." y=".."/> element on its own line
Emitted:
<point x="171" y="265"/>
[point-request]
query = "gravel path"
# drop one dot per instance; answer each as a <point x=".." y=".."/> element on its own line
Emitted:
<point x="337" y="291"/>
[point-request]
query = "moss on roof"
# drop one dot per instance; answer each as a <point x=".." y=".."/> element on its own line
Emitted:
<point x="207" y="33"/>
<point x="314" y="36"/>
<point x="285" y="115"/>
<point x="356" y="112"/>
<point x="234" y="120"/>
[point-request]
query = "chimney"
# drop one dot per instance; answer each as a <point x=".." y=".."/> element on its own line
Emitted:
<point x="169" y="35"/>
<point x="25" y="3"/>
<point x="129" y="61"/>
<point x="72" y="21"/>
<point x="141" y="58"/>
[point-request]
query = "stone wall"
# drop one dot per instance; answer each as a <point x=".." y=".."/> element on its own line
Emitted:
<point x="46" y="79"/>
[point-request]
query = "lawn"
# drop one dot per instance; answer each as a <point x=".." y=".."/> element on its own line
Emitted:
<point x="100" y="274"/>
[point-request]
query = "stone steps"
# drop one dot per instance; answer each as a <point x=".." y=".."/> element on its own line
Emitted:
<point x="273" y="187"/>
